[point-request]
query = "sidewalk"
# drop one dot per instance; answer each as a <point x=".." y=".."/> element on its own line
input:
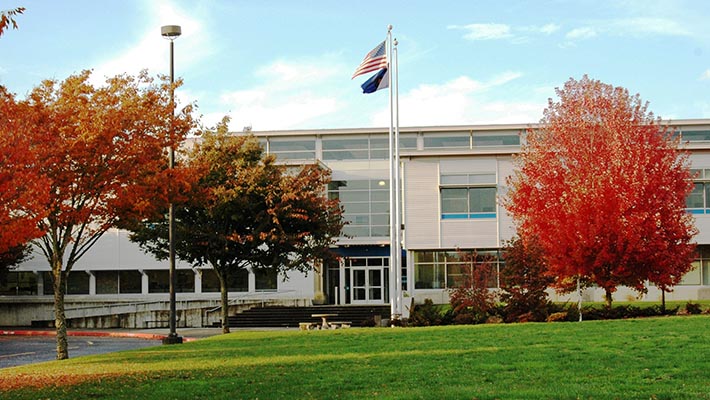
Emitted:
<point x="188" y="334"/>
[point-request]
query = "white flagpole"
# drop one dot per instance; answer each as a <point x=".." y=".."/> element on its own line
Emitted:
<point x="393" y="203"/>
<point x="397" y="183"/>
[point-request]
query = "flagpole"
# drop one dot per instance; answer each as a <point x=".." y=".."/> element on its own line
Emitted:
<point x="392" y="199"/>
<point x="397" y="187"/>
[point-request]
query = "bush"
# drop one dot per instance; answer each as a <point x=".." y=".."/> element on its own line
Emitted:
<point x="693" y="308"/>
<point x="472" y="297"/>
<point x="426" y="314"/>
<point x="524" y="282"/>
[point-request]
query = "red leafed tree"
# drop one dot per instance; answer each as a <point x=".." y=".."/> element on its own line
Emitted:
<point x="601" y="186"/>
<point x="23" y="191"/>
<point x="103" y="155"/>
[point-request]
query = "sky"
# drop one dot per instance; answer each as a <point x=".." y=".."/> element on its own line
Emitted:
<point x="279" y="64"/>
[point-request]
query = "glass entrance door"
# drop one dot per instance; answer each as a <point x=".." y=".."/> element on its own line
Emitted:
<point x="367" y="285"/>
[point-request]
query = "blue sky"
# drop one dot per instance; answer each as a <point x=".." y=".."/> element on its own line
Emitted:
<point x="287" y="64"/>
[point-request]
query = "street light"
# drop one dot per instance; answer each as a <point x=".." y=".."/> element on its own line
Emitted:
<point x="171" y="32"/>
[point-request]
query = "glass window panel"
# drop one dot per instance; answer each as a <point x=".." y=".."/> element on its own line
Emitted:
<point x="453" y="141"/>
<point x="356" y="231"/>
<point x="292" y="145"/>
<point x="266" y="279"/>
<point x="158" y="281"/>
<point x="380" y="231"/>
<point x="696" y="173"/>
<point x="428" y="276"/>
<point x="454" y="201"/>
<point x="355" y="208"/>
<point x="482" y="199"/>
<point x="78" y="283"/>
<point x="379" y="154"/>
<point x="456" y="275"/>
<point x="346" y="155"/>
<point x="695" y="198"/>
<point x="380" y="143"/>
<point x="358" y="262"/>
<point x="359" y="184"/>
<point x="184" y="281"/>
<point x="380" y="207"/>
<point x="375" y="276"/>
<point x="454" y="179"/>
<point x="481" y="178"/>
<point x="47" y="280"/>
<point x="380" y="184"/>
<point x="496" y="140"/>
<point x="408" y="142"/>
<point x="423" y="256"/>
<point x="359" y="294"/>
<point x="693" y="276"/>
<point x="374" y="262"/>
<point x="130" y="282"/>
<point x="354" y="195"/>
<point x="20" y="283"/>
<point x="345" y="144"/>
<point x="380" y="219"/>
<point x="358" y="219"/>
<point x="706" y="272"/>
<point x="707" y="195"/>
<point x="380" y="195"/>
<point x="696" y="136"/>
<point x="106" y="282"/>
<point x="375" y="293"/>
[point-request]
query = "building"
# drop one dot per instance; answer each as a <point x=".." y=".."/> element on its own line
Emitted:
<point x="451" y="179"/>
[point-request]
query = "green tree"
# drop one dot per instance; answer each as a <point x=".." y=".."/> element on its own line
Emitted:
<point x="524" y="281"/>
<point x="247" y="211"/>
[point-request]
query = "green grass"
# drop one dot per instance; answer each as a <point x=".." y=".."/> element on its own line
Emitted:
<point x="655" y="358"/>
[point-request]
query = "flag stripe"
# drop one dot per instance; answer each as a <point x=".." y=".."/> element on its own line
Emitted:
<point x="376" y="82"/>
<point x="374" y="60"/>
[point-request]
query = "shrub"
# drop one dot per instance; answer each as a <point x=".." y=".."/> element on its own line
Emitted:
<point x="426" y="314"/>
<point x="524" y="282"/>
<point x="693" y="308"/>
<point x="472" y="295"/>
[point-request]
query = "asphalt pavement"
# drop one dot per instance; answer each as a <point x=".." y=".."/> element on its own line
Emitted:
<point x="28" y="346"/>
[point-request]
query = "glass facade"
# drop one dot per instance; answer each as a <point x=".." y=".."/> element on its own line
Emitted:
<point x="446" y="269"/>
<point x="468" y="196"/>
<point x="452" y="140"/>
<point x="238" y="281"/>
<point x="366" y="206"/>
<point x="293" y="149"/>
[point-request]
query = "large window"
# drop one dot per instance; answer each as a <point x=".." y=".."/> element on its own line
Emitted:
<point x="468" y="196"/>
<point x="114" y="282"/>
<point x="238" y="281"/>
<point x="700" y="274"/>
<point x="18" y="283"/>
<point x="366" y="206"/>
<point x="266" y="279"/>
<point x="448" y="269"/>
<point x="159" y="281"/>
<point x="695" y="136"/>
<point x="293" y="149"/>
<point x="450" y="140"/>
<point x="483" y="140"/>
<point x="698" y="201"/>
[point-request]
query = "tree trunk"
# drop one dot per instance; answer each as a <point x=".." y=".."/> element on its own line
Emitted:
<point x="663" y="300"/>
<point x="607" y="298"/>
<point x="225" y="300"/>
<point x="60" y="321"/>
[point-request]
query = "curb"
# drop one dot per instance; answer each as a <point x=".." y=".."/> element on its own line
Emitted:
<point x="133" y="335"/>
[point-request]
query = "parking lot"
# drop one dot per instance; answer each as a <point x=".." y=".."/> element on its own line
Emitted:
<point x="21" y="350"/>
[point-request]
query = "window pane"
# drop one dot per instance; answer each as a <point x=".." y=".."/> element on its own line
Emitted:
<point x="20" y="283"/>
<point x="482" y="199"/>
<point x="693" y="276"/>
<point x="408" y="142"/>
<point x="106" y="282"/>
<point x="184" y="281"/>
<point x="695" y="198"/>
<point x="158" y="281"/>
<point x="292" y="145"/>
<point x="454" y="200"/>
<point x="695" y="136"/>
<point x="78" y="283"/>
<point x="496" y="140"/>
<point x="428" y="276"/>
<point x="266" y="279"/>
<point x="461" y="179"/>
<point x="130" y="281"/>
<point x="453" y="141"/>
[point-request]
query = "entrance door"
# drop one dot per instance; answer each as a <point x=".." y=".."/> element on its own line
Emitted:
<point x="367" y="285"/>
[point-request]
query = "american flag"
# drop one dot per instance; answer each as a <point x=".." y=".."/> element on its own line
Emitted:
<point x="374" y="60"/>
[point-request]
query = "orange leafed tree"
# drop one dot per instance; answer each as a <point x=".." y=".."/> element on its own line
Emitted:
<point x="7" y="18"/>
<point x="103" y="156"/>
<point x="601" y="186"/>
<point x="23" y="191"/>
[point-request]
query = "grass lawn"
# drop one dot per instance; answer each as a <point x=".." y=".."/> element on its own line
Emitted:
<point x="654" y="358"/>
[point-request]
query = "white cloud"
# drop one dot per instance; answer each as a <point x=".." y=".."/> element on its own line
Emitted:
<point x="462" y="101"/>
<point x="581" y="33"/>
<point x="643" y="26"/>
<point x="706" y="75"/>
<point x="484" y="31"/>
<point x="292" y="94"/>
<point x="151" y="51"/>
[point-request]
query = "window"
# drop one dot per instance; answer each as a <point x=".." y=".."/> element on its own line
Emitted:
<point x="700" y="274"/>
<point x="266" y="279"/>
<point x="106" y="282"/>
<point x="159" y="281"/>
<point x="447" y="269"/>
<point x="366" y="206"/>
<point x="695" y="136"/>
<point x="293" y="149"/>
<point x="698" y="201"/>
<point x="346" y="148"/>
<point x="238" y="281"/>
<point x="496" y="140"/>
<point x="468" y="196"/>
<point x="130" y="282"/>
<point x="16" y="283"/>
<point x="451" y="140"/>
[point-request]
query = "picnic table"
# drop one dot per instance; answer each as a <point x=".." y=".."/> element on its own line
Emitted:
<point x="324" y="318"/>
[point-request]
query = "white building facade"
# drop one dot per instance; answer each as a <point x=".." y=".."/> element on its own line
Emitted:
<point x="452" y="180"/>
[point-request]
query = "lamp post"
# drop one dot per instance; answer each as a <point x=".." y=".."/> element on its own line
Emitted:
<point x="171" y="32"/>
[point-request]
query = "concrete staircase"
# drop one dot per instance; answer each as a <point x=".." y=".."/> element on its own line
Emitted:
<point x="289" y="317"/>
